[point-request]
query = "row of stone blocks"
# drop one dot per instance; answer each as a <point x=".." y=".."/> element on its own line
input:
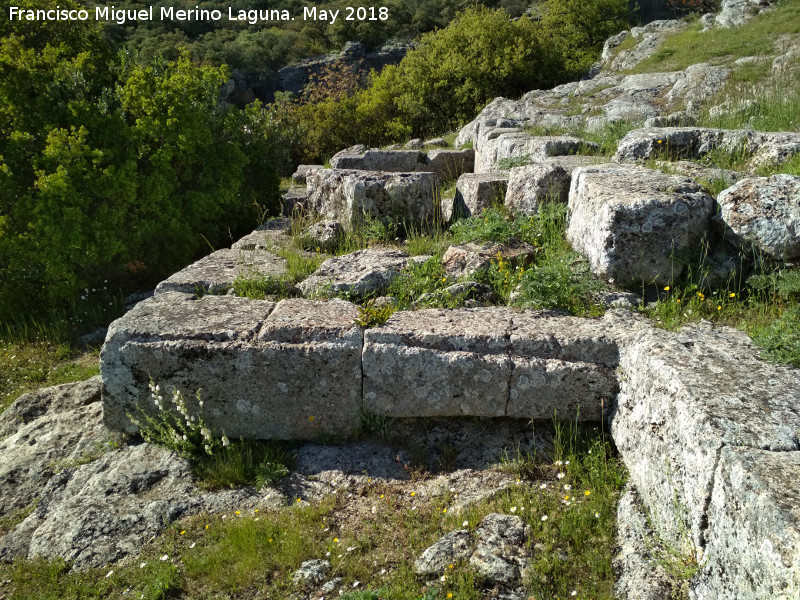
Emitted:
<point x="302" y="368"/>
<point x="709" y="432"/>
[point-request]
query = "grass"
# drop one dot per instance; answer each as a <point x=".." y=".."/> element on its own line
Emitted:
<point x="28" y="365"/>
<point x="723" y="46"/>
<point x="766" y="306"/>
<point x="373" y="543"/>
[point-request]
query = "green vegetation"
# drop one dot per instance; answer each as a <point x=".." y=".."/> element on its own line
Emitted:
<point x="723" y="46"/>
<point x="454" y="72"/>
<point x="216" y="461"/>
<point x="112" y="174"/>
<point x="29" y="365"/>
<point x="566" y="496"/>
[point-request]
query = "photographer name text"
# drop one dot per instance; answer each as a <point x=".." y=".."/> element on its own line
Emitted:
<point x="121" y="16"/>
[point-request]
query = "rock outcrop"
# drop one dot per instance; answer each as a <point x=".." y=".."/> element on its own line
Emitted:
<point x="763" y="212"/>
<point x="89" y="502"/>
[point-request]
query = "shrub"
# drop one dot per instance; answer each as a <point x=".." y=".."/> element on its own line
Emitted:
<point x="116" y="171"/>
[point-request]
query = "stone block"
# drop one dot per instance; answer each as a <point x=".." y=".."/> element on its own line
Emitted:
<point x="449" y="165"/>
<point x="216" y="272"/>
<point x="285" y="371"/>
<point x="350" y="197"/>
<point x="475" y="192"/>
<point x="683" y="399"/>
<point x="394" y="161"/>
<point x="630" y="222"/>
<point x="763" y="212"/>
<point x="434" y="363"/>
<point x="753" y="537"/>
<point x="532" y="185"/>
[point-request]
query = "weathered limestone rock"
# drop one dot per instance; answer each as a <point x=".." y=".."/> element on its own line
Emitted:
<point x="499" y="554"/>
<point x="302" y="171"/>
<point x="273" y="233"/>
<point x="492" y="362"/>
<point x="753" y="536"/>
<point x="363" y="273"/>
<point x="449" y="549"/>
<point x="497" y="551"/>
<point x="504" y="144"/>
<point x="431" y="363"/>
<point x="698" y="82"/>
<point x="738" y="12"/>
<point x="762" y="147"/>
<point x="295" y="200"/>
<point x="627" y="300"/>
<point x="565" y="365"/>
<point x="676" y="119"/>
<point x="532" y="185"/>
<point x="649" y="38"/>
<point x="103" y="511"/>
<point x="95" y="504"/>
<point x="475" y="192"/>
<point x="470" y="258"/>
<point x="395" y="161"/>
<point x="449" y="165"/>
<point x="311" y="572"/>
<point x="325" y="233"/>
<point x="285" y="371"/>
<point x="638" y="572"/>
<point x="216" y="272"/>
<point x="350" y="197"/>
<point x="43" y="432"/>
<point x="685" y="398"/>
<point x="628" y="221"/>
<point x="764" y="212"/>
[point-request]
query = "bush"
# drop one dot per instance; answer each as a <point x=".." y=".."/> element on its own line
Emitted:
<point x="117" y="173"/>
<point x="453" y="72"/>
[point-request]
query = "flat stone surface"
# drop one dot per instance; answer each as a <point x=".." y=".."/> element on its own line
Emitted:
<point x="350" y="197"/>
<point x="683" y="399"/>
<point x="475" y="192"/>
<point x="532" y="185"/>
<point x="103" y="511"/>
<point x="296" y="374"/>
<point x="753" y="538"/>
<point x="396" y="161"/>
<point x="43" y="432"/>
<point x="764" y="212"/>
<point x="438" y="363"/>
<point x="362" y="273"/>
<point x="216" y="272"/>
<point x="629" y="221"/>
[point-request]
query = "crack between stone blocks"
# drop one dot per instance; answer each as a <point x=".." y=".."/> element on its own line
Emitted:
<point x="260" y="327"/>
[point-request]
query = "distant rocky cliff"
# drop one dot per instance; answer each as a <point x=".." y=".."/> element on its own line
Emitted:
<point x="246" y="86"/>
